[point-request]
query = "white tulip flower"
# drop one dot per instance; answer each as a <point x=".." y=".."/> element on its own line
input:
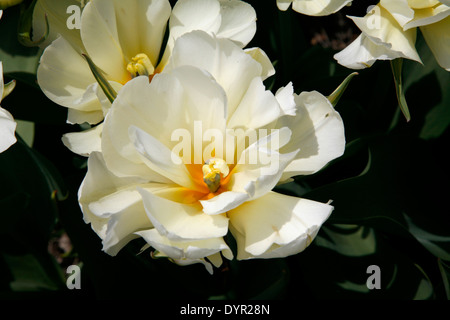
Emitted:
<point x="389" y="31"/>
<point x="196" y="153"/>
<point x="124" y="39"/>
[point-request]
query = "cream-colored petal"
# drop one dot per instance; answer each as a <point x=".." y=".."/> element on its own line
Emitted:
<point x="60" y="14"/>
<point x="399" y="9"/>
<point x="317" y="130"/>
<point x="286" y="99"/>
<point x="155" y="109"/>
<point x="224" y="202"/>
<point x="423" y="17"/>
<point x="101" y="39"/>
<point x="64" y="77"/>
<point x="161" y="159"/>
<point x="78" y="117"/>
<point x="7" y="130"/>
<point x="98" y="183"/>
<point x="238" y="21"/>
<point x="284" y="4"/>
<point x="437" y="36"/>
<point x="257" y="172"/>
<point x="189" y="15"/>
<point x="191" y="250"/>
<point x="319" y="7"/>
<point x="259" y="55"/>
<point x="140" y="26"/>
<point x="276" y="225"/>
<point x="381" y="27"/>
<point x="121" y="227"/>
<point x="363" y="52"/>
<point x="84" y="142"/>
<point x="226" y="62"/>
<point x="181" y="222"/>
<point x="257" y="108"/>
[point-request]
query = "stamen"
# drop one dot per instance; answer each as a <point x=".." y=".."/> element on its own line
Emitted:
<point x="140" y="65"/>
<point x="213" y="171"/>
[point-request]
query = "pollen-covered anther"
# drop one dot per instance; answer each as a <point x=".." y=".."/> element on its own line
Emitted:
<point x="140" y="65"/>
<point x="214" y="170"/>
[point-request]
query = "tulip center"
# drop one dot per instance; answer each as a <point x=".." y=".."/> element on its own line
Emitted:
<point x="140" y="65"/>
<point x="214" y="170"/>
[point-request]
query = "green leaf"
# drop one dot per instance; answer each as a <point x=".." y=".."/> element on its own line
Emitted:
<point x="444" y="268"/>
<point x="336" y="95"/>
<point x="98" y="75"/>
<point x="15" y="56"/>
<point x="396" y="66"/>
<point x="26" y="26"/>
<point x="28" y="273"/>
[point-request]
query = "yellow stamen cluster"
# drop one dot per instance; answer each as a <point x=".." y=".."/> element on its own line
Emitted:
<point x="213" y="171"/>
<point x="140" y="65"/>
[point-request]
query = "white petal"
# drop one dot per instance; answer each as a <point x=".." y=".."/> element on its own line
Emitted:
<point x="285" y="97"/>
<point x="188" y="15"/>
<point x="84" y="142"/>
<point x="259" y="55"/>
<point x="161" y="159"/>
<point x="192" y="250"/>
<point x="98" y="183"/>
<point x="58" y="13"/>
<point x="319" y="7"/>
<point x="257" y="108"/>
<point x="101" y="40"/>
<point x="437" y="36"/>
<point x="381" y="27"/>
<point x="223" y="202"/>
<point x="7" y="129"/>
<point x="317" y="130"/>
<point x="399" y="9"/>
<point x="75" y="116"/>
<point x="140" y="26"/>
<point x="284" y="4"/>
<point x="363" y="53"/>
<point x="238" y="21"/>
<point x="258" y="171"/>
<point x="121" y="227"/>
<point x="423" y="17"/>
<point x="276" y="225"/>
<point x="64" y="77"/>
<point x="178" y="221"/>
<point x="226" y="62"/>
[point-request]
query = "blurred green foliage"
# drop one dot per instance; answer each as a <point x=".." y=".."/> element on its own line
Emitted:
<point x="389" y="189"/>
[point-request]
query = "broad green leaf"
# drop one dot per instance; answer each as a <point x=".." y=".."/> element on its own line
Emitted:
<point x="29" y="274"/>
<point x="349" y="240"/>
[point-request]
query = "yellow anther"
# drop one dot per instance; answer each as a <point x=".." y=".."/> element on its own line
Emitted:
<point x="140" y="65"/>
<point x="213" y="170"/>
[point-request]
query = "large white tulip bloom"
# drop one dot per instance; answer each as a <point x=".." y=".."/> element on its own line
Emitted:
<point x="313" y="7"/>
<point x="124" y="38"/>
<point x="179" y="166"/>
<point x="389" y="31"/>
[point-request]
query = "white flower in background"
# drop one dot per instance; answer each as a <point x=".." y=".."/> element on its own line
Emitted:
<point x="7" y="123"/>
<point x="389" y="31"/>
<point x="183" y="201"/>
<point x="313" y="7"/>
<point x="124" y="39"/>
